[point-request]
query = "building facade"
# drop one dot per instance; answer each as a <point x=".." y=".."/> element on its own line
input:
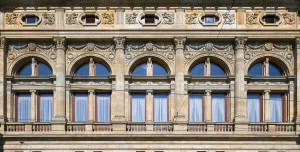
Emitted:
<point x="149" y="76"/>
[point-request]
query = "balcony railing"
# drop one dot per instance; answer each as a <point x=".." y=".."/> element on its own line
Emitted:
<point x="162" y="127"/>
<point x="102" y="127"/>
<point x="197" y="127"/>
<point x="133" y="127"/>
<point x="272" y="127"/>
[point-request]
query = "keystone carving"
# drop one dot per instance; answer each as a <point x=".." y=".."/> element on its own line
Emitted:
<point x="60" y="42"/>
<point x="179" y="42"/>
<point x="119" y="42"/>
<point x="240" y="42"/>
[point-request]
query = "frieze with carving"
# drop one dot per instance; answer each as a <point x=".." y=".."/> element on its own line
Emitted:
<point x="228" y="18"/>
<point x="32" y="82"/>
<point x="107" y="18"/>
<point x="268" y="46"/>
<point x="289" y="18"/>
<point x="48" y="19"/>
<point x="191" y="18"/>
<point x="267" y="83"/>
<point x="150" y="83"/>
<point x="89" y="82"/>
<point x="208" y="83"/>
<point x="131" y="18"/>
<point x="15" y="18"/>
<point x="252" y="18"/>
<point x="90" y="46"/>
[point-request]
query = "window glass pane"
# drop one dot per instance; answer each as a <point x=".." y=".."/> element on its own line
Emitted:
<point x="158" y="70"/>
<point x="209" y="19"/>
<point x="140" y="70"/>
<point x="25" y="71"/>
<point x="81" y="101"/>
<point x="101" y="70"/>
<point x="46" y="101"/>
<point x="24" y="107"/>
<point x="197" y="70"/>
<point x="255" y="70"/>
<point x="160" y="107"/>
<point x="253" y="101"/>
<point x="44" y="70"/>
<point x="195" y="108"/>
<point x="83" y="70"/>
<point x="138" y="107"/>
<point x="216" y="70"/>
<point x="274" y="71"/>
<point x="103" y="107"/>
<point x="30" y="19"/>
<point x="218" y="107"/>
<point x="275" y="107"/>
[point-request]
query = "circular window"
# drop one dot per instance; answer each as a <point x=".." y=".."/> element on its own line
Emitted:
<point x="30" y="19"/>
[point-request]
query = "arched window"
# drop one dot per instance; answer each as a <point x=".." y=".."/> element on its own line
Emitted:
<point x="207" y="69"/>
<point x="35" y="68"/>
<point x="92" y="69"/>
<point x="264" y="69"/>
<point x="149" y="69"/>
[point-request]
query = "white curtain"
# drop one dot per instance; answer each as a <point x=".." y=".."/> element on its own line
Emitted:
<point x="24" y="107"/>
<point x="138" y="108"/>
<point x="81" y="101"/>
<point x="103" y="107"/>
<point x="218" y="108"/>
<point x="275" y="108"/>
<point x="46" y="101"/>
<point x="160" y="108"/>
<point x="253" y="101"/>
<point x="195" y="108"/>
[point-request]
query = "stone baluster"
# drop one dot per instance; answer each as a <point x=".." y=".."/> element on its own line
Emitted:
<point x="118" y="95"/>
<point x="3" y="115"/>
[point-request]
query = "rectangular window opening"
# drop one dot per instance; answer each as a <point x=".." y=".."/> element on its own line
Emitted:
<point x="196" y="108"/>
<point x="103" y="107"/>
<point x="149" y="18"/>
<point x="90" y="18"/>
<point x="160" y="107"/>
<point x="80" y="107"/>
<point x="138" y="107"/>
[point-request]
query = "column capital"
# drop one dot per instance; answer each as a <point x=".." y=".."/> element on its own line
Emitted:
<point x="91" y="91"/>
<point x="240" y="42"/>
<point x="297" y="40"/>
<point x="207" y="92"/>
<point x="32" y="91"/>
<point x="3" y="42"/>
<point x="119" y="42"/>
<point x="179" y="42"/>
<point x="267" y="91"/>
<point x="60" y="42"/>
<point x="149" y="91"/>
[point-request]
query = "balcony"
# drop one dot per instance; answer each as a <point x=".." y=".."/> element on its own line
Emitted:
<point x="226" y="128"/>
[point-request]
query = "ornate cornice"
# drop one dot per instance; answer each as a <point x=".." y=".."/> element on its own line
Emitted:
<point x="179" y="42"/>
<point x="60" y="42"/>
<point x="119" y="42"/>
<point x="3" y="42"/>
<point x="240" y="42"/>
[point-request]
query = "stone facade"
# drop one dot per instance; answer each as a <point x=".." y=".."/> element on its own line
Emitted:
<point x="178" y="40"/>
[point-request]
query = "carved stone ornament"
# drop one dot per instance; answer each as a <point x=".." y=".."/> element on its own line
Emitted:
<point x="31" y="46"/>
<point x="297" y="40"/>
<point x="289" y="18"/>
<point x="149" y="46"/>
<point x="48" y="19"/>
<point x="268" y="46"/>
<point x="252" y="18"/>
<point x="131" y="18"/>
<point x="12" y="19"/>
<point x="208" y="46"/>
<point x="240" y="42"/>
<point x="119" y="42"/>
<point x="228" y="18"/>
<point x="107" y="18"/>
<point x="3" y="42"/>
<point x="179" y="42"/>
<point x="167" y="18"/>
<point x="60" y="42"/>
<point x="71" y="19"/>
<point x="191" y="18"/>
<point x="90" y="46"/>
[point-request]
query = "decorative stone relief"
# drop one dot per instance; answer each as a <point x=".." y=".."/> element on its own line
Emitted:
<point x="191" y="18"/>
<point x="252" y="18"/>
<point x="48" y="19"/>
<point x="150" y="83"/>
<point x="224" y="49"/>
<point x="289" y="18"/>
<point x="2" y="42"/>
<point x="24" y="82"/>
<point x="267" y="83"/>
<point x="228" y="18"/>
<point x="107" y="18"/>
<point x="12" y="19"/>
<point x="60" y="42"/>
<point x="208" y="83"/>
<point x="119" y="42"/>
<point x="131" y="18"/>
<point x="168" y="18"/>
<point x="71" y="19"/>
<point x="87" y="82"/>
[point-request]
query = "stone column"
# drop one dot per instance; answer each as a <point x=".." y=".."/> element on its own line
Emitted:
<point x="3" y="106"/>
<point x="1" y="19"/>
<point x="60" y="100"/>
<point x="297" y="100"/>
<point x="120" y="17"/>
<point x="59" y="13"/>
<point x="240" y="18"/>
<point x="149" y="106"/>
<point x="207" y="106"/>
<point x="240" y="109"/>
<point x="179" y="17"/>
<point x="266" y="104"/>
<point x="91" y="106"/>
<point x="118" y="95"/>
<point x="181" y="114"/>
<point x="33" y="106"/>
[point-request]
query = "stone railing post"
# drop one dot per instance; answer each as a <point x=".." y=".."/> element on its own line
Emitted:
<point x="3" y="116"/>
<point x="181" y="105"/>
<point x="240" y="104"/>
<point x="118" y="95"/>
<point x="60" y="88"/>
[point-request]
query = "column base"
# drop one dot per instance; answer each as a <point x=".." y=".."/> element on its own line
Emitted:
<point x="119" y="118"/>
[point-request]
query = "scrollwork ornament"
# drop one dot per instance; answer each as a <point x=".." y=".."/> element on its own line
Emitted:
<point x="179" y="42"/>
<point x="12" y="19"/>
<point x="167" y="18"/>
<point x="131" y="18"/>
<point x="288" y="18"/>
<point x="3" y="42"/>
<point x="71" y="19"/>
<point x="252" y="18"/>
<point x="240" y="42"/>
<point x="191" y="18"/>
<point x="49" y="19"/>
<point x="107" y="18"/>
<point x="228" y="18"/>
<point x="60" y="42"/>
<point x="119" y="42"/>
